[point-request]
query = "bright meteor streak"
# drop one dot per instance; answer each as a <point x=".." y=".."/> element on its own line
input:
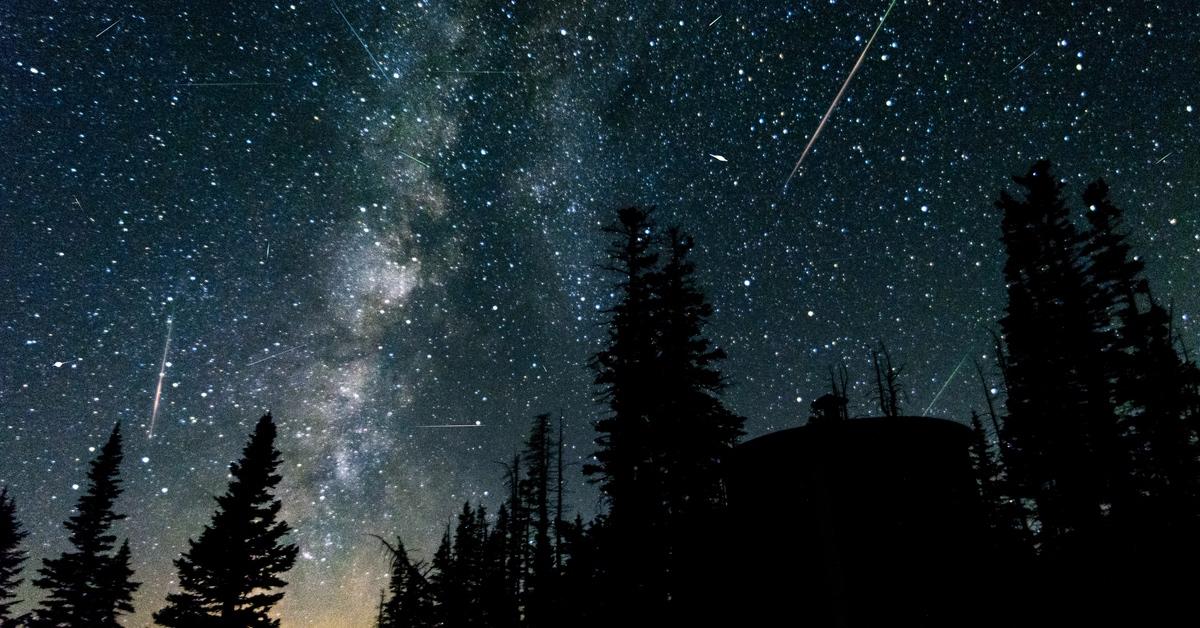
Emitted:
<point x="838" y="98"/>
<point x="162" y="373"/>
<point x="359" y="38"/>
<point x="454" y="425"/>
<point x="945" y="384"/>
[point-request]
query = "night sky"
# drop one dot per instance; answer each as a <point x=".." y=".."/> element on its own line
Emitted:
<point x="375" y="217"/>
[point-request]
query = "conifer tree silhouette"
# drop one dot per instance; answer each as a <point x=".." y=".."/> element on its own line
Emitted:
<point x="1153" y="387"/>
<point x="1063" y="444"/>
<point x="12" y="557"/>
<point x="628" y="475"/>
<point x="662" y="442"/>
<point x="444" y="584"/>
<point x="539" y="590"/>
<point x="231" y="574"/>
<point x="409" y="604"/>
<point x="90" y="585"/>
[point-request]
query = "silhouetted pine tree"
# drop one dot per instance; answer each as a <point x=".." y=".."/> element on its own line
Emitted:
<point x="1063" y="446"/>
<point x="11" y="558"/>
<point x="90" y="584"/>
<point x="691" y="429"/>
<point x="1152" y="379"/>
<point x="626" y="373"/>
<point x="230" y="575"/>
<point x="409" y="604"/>
<point x="444" y="584"/>
<point x="587" y="586"/>
<point x="458" y="575"/>
<point x="539" y="588"/>
<point x="516" y="545"/>
<point x="625" y="366"/>
<point x="499" y="596"/>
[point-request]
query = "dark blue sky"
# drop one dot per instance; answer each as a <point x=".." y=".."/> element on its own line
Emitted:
<point x="430" y="196"/>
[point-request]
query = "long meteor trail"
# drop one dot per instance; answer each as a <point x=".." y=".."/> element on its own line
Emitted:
<point x="840" y="93"/>
<point x="359" y="38"/>
<point x="945" y="384"/>
<point x="162" y="373"/>
<point x="106" y="28"/>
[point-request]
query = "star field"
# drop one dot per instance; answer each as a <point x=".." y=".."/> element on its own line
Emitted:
<point x="373" y="217"/>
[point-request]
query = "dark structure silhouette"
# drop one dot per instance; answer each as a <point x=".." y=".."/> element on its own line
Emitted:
<point x="863" y="522"/>
<point x="230" y="575"/>
<point x="91" y="584"/>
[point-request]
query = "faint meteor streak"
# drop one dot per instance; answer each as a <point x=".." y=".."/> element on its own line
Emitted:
<point x="414" y="159"/>
<point x="106" y="28"/>
<point x="225" y="84"/>
<point x="1164" y="157"/>
<point x="452" y="425"/>
<point x="475" y="72"/>
<point x="162" y="373"/>
<point x="360" y="39"/>
<point x="716" y="20"/>
<point x="838" y="98"/>
<point x="718" y="157"/>
<point x="1022" y="62"/>
<point x="275" y="355"/>
<point x="946" y="383"/>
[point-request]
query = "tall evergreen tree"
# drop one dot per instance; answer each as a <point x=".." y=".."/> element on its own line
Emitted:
<point x="500" y="597"/>
<point x="12" y="557"/>
<point x="693" y="430"/>
<point x="625" y="468"/>
<point x="90" y="585"/>
<point x="408" y="604"/>
<point x="445" y="585"/>
<point x="1063" y="445"/>
<point x="539" y="594"/>
<point x="516" y="534"/>
<point x="231" y="575"/>
<point x="1151" y="381"/>
<point x="624" y="369"/>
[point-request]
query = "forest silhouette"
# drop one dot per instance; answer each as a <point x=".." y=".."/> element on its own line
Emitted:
<point x="1071" y="496"/>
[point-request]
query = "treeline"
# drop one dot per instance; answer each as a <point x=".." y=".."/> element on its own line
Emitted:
<point x="1087" y="460"/>
<point x="229" y="576"/>
<point x="1091" y="473"/>
<point x="659" y="450"/>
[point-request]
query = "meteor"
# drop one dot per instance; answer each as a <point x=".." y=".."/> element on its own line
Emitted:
<point x="1022" y="62"/>
<point x="838" y="98"/>
<point x="162" y="373"/>
<point x="106" y="28"/>
<point x="452" y="425"/>
<point x="275" y="355"/>
<point x="945" y="384"/>
<point x="359" y="38"/>
<point x="414" y="159"/>
<point x="226" y="84"/>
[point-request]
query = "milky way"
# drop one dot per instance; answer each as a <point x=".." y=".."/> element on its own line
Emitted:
<point x="429" y="180"/>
